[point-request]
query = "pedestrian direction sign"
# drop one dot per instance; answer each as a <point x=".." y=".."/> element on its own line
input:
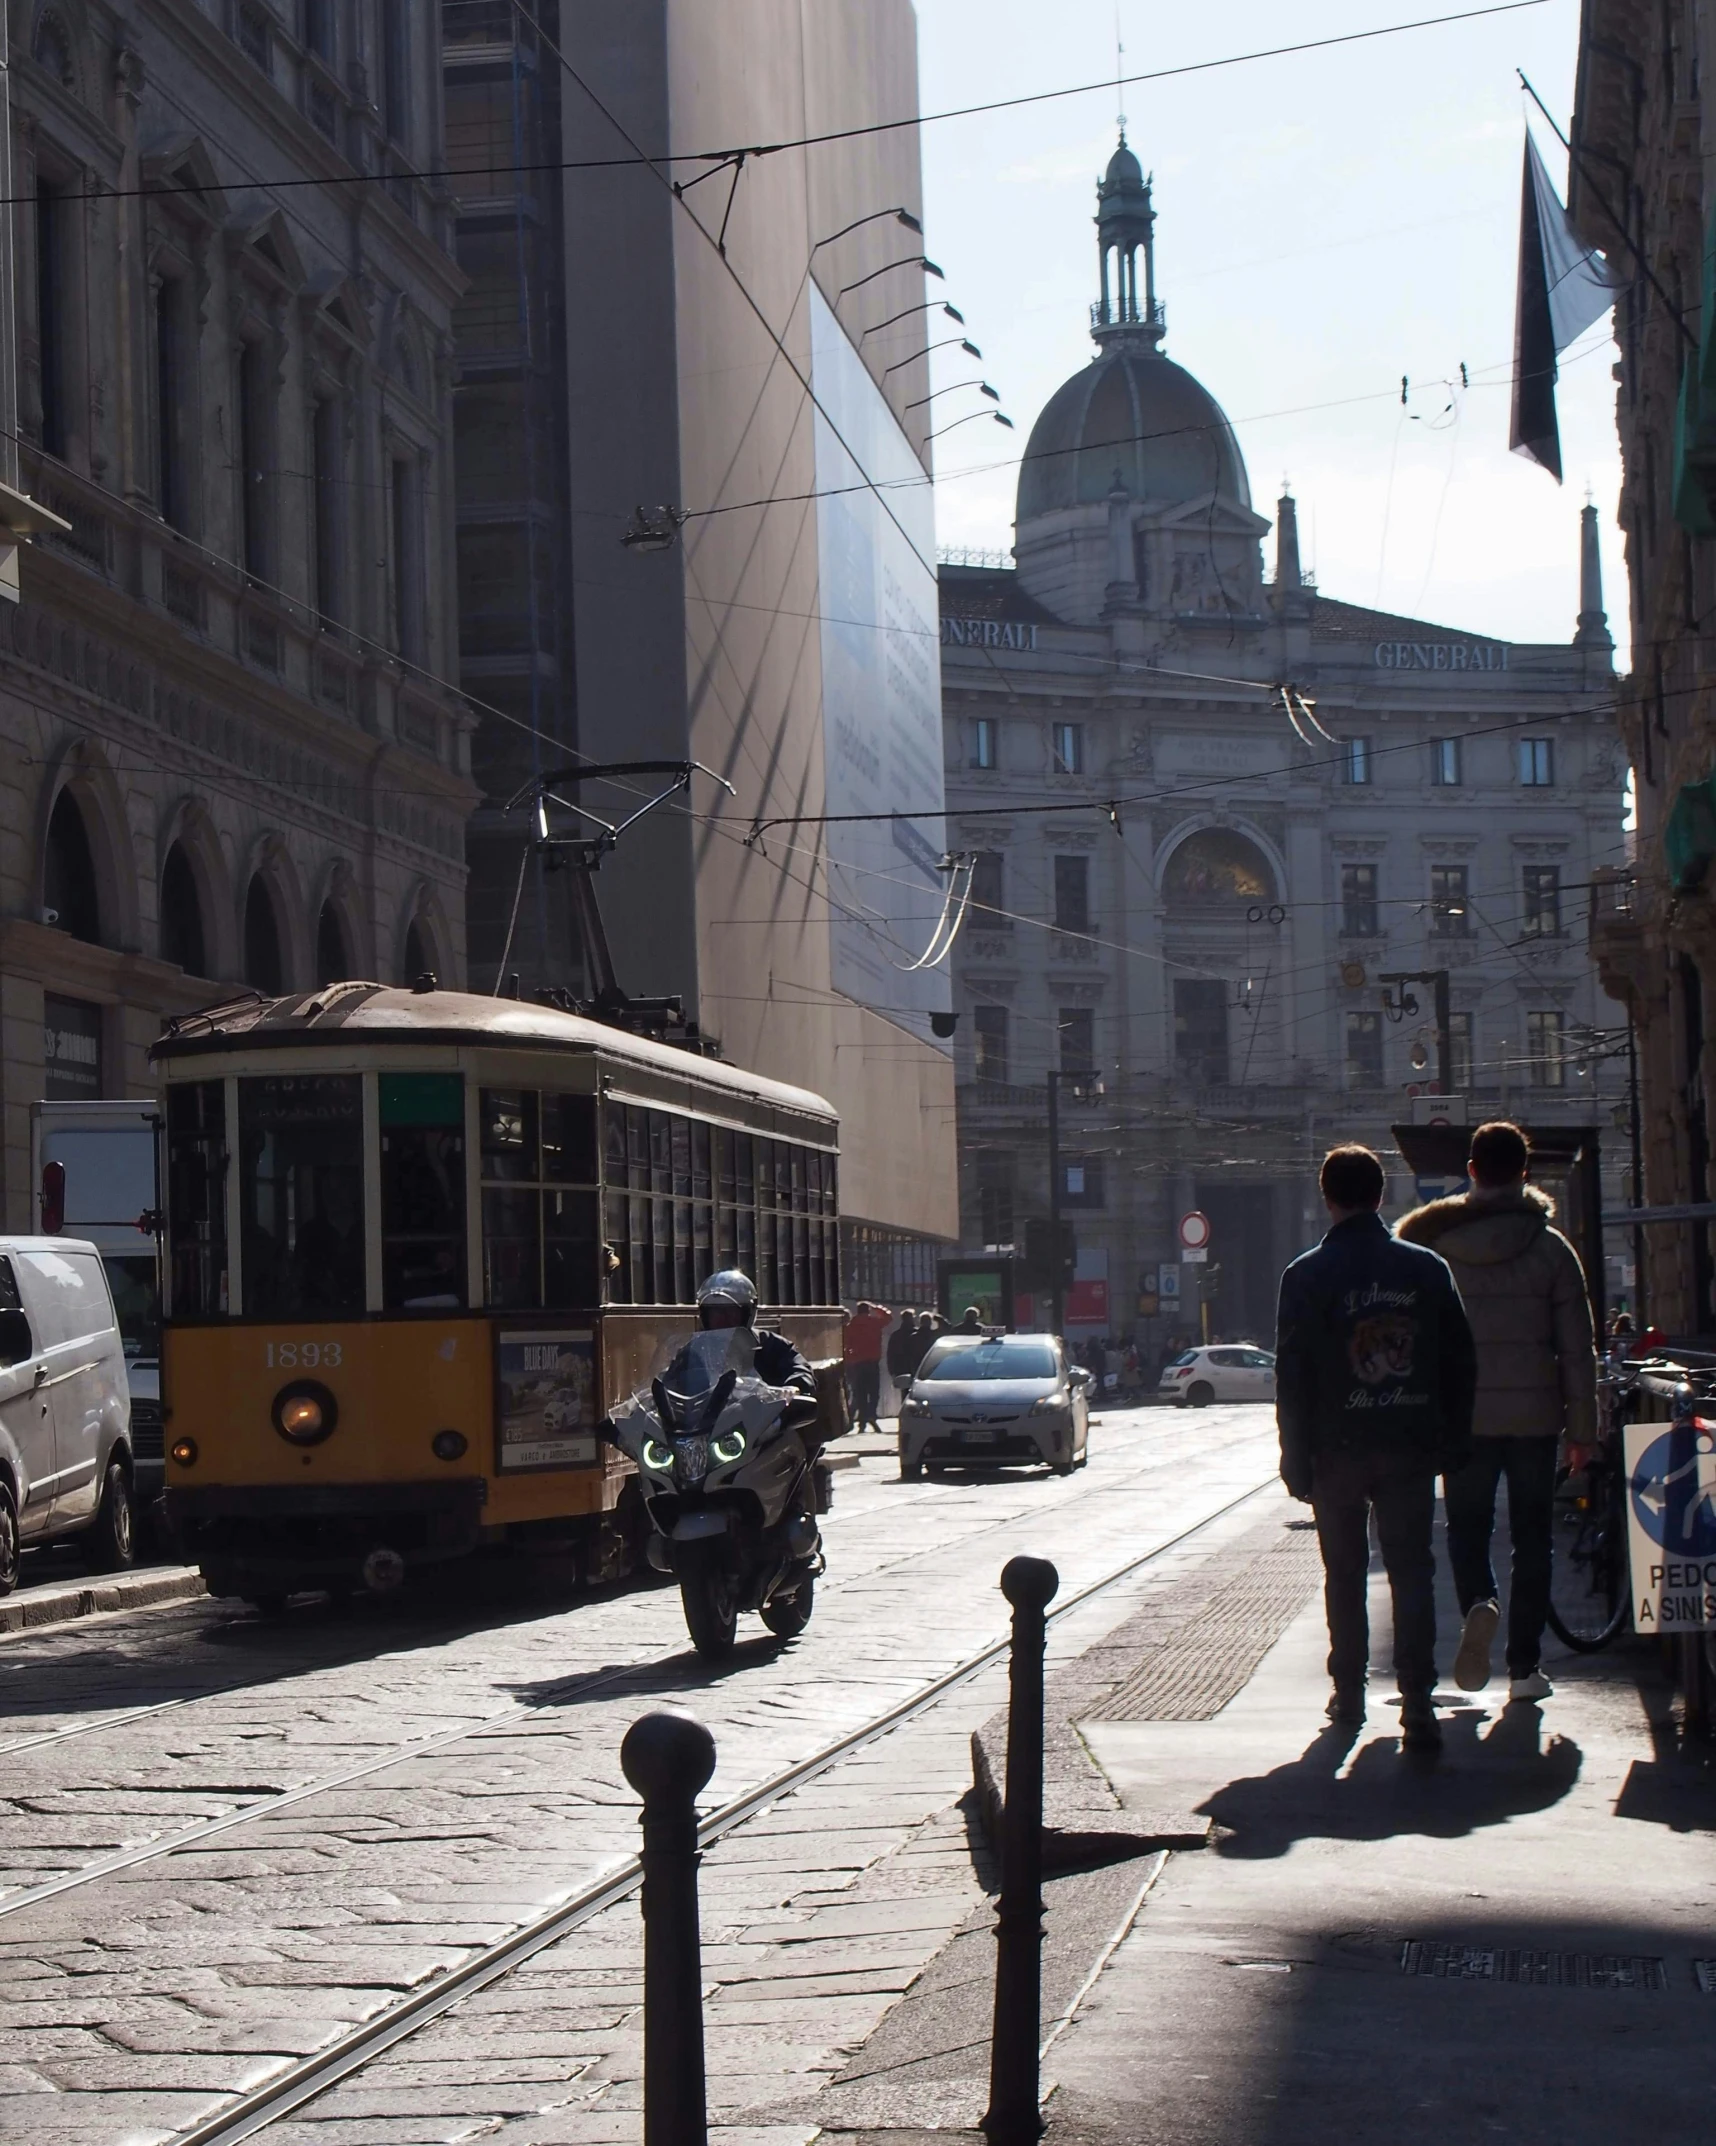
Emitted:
<point x="1671" y="1525"/>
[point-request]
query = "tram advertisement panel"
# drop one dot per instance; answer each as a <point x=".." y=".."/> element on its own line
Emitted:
<point x="545" y="1406"/>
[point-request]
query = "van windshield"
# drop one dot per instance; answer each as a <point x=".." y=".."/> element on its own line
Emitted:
<point x="110" y="1173"/>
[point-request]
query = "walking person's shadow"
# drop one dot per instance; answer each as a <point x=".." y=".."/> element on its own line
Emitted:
<point x="1479" y="1779"/>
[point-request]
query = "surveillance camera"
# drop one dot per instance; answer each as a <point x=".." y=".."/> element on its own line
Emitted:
<point x="50" y="916"/>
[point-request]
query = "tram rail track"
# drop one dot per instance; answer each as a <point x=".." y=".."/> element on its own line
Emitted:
<point x="308" y="2078"/>
<point x="416" y="1748"/>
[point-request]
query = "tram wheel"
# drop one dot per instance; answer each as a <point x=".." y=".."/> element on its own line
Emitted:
<point x="711" y="1607"/>
<point x="267" y="1607"/>
<point x="787" y="1615"/>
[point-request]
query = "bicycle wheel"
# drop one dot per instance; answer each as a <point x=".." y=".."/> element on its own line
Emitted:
<point x="1588" y="1600"/>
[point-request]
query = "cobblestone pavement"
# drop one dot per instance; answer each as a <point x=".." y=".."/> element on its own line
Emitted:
<point x="136" y="2001"/>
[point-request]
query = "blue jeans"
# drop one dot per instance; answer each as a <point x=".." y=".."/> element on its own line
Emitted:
<point x="1470" y="1496"/>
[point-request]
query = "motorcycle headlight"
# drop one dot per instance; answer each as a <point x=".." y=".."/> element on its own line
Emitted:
<point x="657" y="1457"/>
<point x="728" y="1447"/>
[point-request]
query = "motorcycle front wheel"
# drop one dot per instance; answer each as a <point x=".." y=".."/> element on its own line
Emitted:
<point x="710" y="1602"/>
<point x="787" y="1615"/>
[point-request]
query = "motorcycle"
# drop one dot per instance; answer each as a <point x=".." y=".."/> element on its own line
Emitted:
<point x="731" y="1486"/>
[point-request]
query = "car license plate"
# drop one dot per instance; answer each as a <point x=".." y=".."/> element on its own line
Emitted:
<point x="977" y="1438"/>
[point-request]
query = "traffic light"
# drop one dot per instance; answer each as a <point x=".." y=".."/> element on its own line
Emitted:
<point x="1038" y="1271"/>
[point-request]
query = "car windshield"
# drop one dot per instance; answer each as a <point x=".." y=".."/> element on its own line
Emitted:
<point x="990" y="1360"/>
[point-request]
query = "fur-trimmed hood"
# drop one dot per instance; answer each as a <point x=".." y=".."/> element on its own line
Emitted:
<point x="1478" y="1228"/>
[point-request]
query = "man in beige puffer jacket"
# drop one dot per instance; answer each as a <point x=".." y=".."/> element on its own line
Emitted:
<point x="1524" y="1292"/>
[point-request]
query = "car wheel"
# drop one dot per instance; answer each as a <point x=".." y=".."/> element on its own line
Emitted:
<point x="113" y="1539"/>
<point x="911" y="1471"/>
<point x="8" y="1540"/>
<point x="1200" y="1394"/>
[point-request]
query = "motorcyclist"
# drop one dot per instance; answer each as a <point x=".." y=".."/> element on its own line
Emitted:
<point x="730" y="1299"/>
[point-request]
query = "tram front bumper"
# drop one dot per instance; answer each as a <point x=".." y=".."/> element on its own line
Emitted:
<point x="254" y="1539"/>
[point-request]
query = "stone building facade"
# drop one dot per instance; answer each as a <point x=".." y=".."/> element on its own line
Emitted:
<point x="228" y="756"/>
<point x="1211" y="811"/>
<point x="1644" y="133"/>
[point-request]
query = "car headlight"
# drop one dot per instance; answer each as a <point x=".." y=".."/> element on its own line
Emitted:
<point x="912" y="1406"/>
<point x="1050" y="1405"/>
<point x="657" y="1457"/>
<point x="728" y="1447"/>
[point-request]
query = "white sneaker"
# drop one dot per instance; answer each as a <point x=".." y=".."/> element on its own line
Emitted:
<point x="1535" y="1686"/>
<point x="1477" y="1636"/>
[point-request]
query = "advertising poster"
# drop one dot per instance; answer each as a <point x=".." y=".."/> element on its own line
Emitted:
<point x="881" y="689"/>
<point x="545" y="1404"/>
<point x="1671" y="1525"/>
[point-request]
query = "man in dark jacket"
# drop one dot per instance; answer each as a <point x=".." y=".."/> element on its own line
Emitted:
<point x="1374" y="1377"/>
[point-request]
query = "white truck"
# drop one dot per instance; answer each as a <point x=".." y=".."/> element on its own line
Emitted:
<point x="95" y="1171"/>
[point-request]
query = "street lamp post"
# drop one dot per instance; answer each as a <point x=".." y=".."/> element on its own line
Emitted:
<point x="1084" y="1087"/>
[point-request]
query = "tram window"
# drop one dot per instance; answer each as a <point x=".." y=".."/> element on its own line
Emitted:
<point x="744" y="1159"/>
<point x="724" y="1165"/>
<point x="684" y="1252"/>
<point x="700" y="1187"/>
<point x="617" y="1241"/>
<point x="509" y="1135"/>
<point x="660" y="1151"/>
<point x="196" y="1197"/>
<point x="614" y="1146"/>
<point x="422" y="1191"/>
<point x="569" y="1250"/>
<point x="568" y="1140"/>
<point x="512" y="1249"/>
<point x="637" y="1147"/>
<point x="745" y="1250"/>
<point x="726" y="1236"/>
<point x="301" y="1180"/>
<point x="661" y="1246"/>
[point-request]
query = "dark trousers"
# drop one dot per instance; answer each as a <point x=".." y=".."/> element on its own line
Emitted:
<point x="1470" y="1496"/>
<point x="864" y="1382"/>
<point x="1346" y="1488"/>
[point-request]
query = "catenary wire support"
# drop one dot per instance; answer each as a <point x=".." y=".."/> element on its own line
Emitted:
<point x="1014" y="2116"/>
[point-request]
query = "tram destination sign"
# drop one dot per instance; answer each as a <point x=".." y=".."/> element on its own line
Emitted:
<point x="545" y="1401"/>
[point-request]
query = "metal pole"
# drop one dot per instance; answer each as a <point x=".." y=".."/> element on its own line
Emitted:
<point x="1014" y="2117"/>
<point x="1637" y="1306"/>
<point x="1057" y="1290"/>
<point x="1438" y="980"/>
<point x="668" y="1758"/>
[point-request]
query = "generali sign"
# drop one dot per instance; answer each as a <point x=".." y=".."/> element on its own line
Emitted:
<point x="1441" y="656"/>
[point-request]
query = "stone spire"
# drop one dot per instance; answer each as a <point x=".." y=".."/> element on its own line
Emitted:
<point x="1593" y="619"/>
<point x="1125" y="228"/>
<point x="1287" y="573"/>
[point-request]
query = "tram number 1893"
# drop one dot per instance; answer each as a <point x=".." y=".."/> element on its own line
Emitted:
<point x="304" y="1355"/>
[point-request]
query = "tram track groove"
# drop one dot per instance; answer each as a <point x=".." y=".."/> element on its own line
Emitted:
<point x="128" y="1719"/>
<point x="306" y="2080"/>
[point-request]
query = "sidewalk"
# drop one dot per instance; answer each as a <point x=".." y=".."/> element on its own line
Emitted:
<point x="1514" y="1941"/>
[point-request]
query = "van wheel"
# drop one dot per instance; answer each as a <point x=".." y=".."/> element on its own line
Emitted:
<point x="1200" y="1395"/>
<point x="8" y="1540"/>
<point x="113" y="1539"/>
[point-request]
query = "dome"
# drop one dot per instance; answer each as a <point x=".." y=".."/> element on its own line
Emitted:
<point x="1138" y="413"/>
<point x="1125" y="174"/>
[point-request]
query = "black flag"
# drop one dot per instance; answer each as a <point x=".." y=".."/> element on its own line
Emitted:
<point x="1563" y="288"/>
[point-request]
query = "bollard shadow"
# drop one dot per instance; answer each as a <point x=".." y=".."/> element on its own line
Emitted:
<point x="1478" y="1779"/>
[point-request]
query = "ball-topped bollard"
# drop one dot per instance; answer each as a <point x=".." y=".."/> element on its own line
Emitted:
<point x="1014" y="2117"/>
<point x="668" y="1759"/>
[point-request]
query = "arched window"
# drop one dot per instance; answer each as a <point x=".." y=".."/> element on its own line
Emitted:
<point x="333" y="965"/>
<point x="417" y="961"/>
<point x="182" y="937"/>
<point x="1217" y="866"/>
<point x="68" y="875"/>
<point x="263" y="968"/>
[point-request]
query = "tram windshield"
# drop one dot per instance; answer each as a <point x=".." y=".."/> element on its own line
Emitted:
<point x="301" y="1182"/>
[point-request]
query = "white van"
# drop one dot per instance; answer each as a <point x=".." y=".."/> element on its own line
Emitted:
<point x="105" y="1188"/>
<point x="65" y="1450"/>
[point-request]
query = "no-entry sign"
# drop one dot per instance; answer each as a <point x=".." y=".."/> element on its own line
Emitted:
<point x="1195" y="1231"/>
<point x="1671" y="1525"/>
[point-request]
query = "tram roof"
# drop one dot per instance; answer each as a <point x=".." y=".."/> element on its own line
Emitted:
<point x="383" y="1015"/>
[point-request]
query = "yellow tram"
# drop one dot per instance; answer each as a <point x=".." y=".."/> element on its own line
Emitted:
<point x="418" y="1242"/>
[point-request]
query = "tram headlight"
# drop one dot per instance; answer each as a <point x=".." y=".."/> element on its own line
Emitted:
<point x="185" y="1452"/>
<point x="305" y="1413"/>
<point x="728" y="1447"/>
<point x="449" y="1445"/>
<point x="657" y="1457"/>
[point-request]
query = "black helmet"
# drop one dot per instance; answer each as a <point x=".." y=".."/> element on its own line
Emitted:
<point x="730" y="1287"/>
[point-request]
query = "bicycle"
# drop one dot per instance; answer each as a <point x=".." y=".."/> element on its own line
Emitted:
<point x="1589" y="1597"/>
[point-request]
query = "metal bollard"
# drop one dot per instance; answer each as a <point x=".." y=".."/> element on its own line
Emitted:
<point x="668" y="1758"/>
<point x="1014" y="2117"/>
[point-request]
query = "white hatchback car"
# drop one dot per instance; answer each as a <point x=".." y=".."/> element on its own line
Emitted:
<point x="1227" y="1371"/>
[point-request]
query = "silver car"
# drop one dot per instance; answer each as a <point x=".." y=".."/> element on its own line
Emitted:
<point x="979" y="1399"/>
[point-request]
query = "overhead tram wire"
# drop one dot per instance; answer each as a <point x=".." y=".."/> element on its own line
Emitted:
<point x="715" y="158"/>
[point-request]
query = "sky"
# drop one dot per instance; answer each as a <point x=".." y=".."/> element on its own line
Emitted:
<point x="1326" y="223"/>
